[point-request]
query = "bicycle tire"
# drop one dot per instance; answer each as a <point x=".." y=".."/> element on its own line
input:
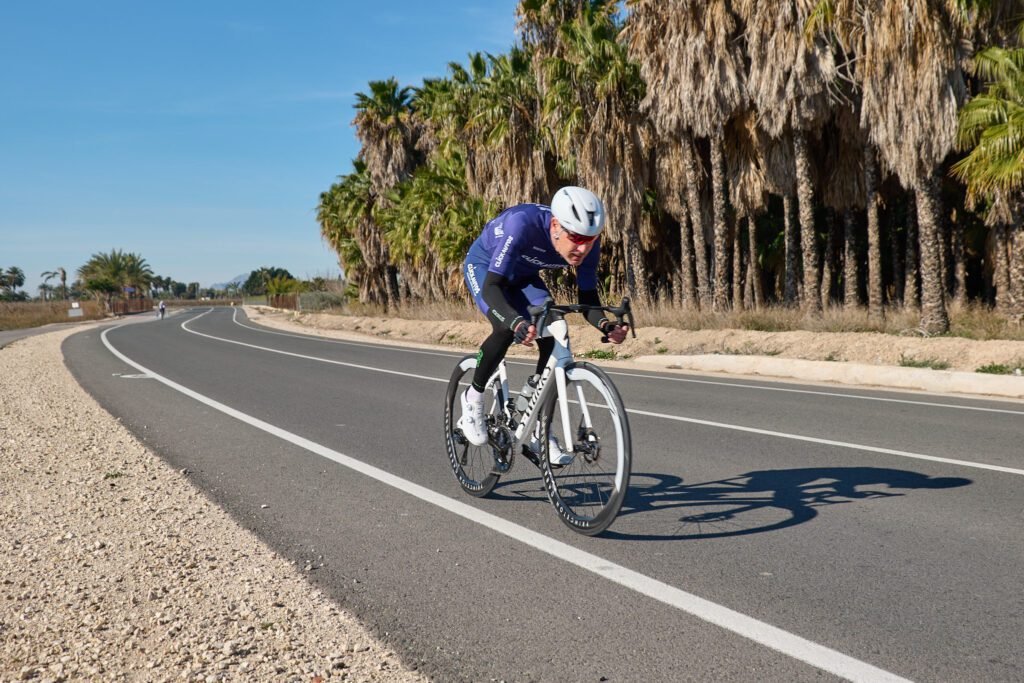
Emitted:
<point x="588" y="492"/>
<point x="471" y="464"/>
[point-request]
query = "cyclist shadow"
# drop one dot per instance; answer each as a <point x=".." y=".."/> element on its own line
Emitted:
<point x="759" y="501"/>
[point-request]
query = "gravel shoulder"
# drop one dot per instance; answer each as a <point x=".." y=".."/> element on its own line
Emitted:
<point x="113" y="567"/>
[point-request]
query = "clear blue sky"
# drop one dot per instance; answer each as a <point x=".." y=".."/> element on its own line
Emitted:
<point x="197" y="133"/>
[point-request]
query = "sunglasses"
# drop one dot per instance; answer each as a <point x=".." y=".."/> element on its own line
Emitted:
<point x="576" y="238"/>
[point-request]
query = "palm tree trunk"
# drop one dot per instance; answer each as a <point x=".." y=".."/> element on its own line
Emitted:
<point x="1015" y="263"/>
<point x="792" y="239"/>
<point x="828" y="258"/>
<point x="911" y="290"/>
<point x="737" y="268"/>
<point x="875" y="309"/>
<point x="934" y="318"/>
<point x="808" y="234"/>
<point x="721" y="223"/>
<point x="1001" y="269"/>
<point x="392" y="295"/>
<point x="897" y="264"/>
<point x="697" y="222"/>
<point x="636" y="272"/>
<point x="850" y="298"/>
<point x="959" y="255"/>
<point x="686" y="274"/>
<point x="754" y="267"/>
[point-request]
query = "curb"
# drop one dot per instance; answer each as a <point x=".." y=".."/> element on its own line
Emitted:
<point x="861" y="374"/>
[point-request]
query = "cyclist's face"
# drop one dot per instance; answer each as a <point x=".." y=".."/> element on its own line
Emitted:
<point x="569" y="246"/>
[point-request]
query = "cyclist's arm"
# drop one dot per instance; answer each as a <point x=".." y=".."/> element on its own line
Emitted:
<point x="595" y="317"/>
<point x="587" y="288"/>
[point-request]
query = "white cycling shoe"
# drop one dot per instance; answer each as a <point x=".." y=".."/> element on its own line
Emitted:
<point x="473" y="423"/>
<point x="556" y="456"/>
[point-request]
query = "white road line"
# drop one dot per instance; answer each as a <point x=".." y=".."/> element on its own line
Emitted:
<point x="787" y="643"/>
<point x="666" y="378"/>
<point x="830" y="442"/>
<point x="184" y="326"/>
<point x="346" y="342"/>
<point x="835" y="394"/>
<point x="676" y="418"/>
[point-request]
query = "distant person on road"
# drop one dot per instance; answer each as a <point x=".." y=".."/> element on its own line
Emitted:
<point x="502" y="271"/>
<point x="163" y="310"/>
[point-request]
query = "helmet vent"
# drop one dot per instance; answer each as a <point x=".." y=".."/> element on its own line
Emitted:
<point x="576" y="213"/>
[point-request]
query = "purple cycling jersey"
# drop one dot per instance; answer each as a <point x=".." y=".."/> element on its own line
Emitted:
<point x="517" y="245"/>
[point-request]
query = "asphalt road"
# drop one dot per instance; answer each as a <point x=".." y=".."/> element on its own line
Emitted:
<point x="773" y="532"/>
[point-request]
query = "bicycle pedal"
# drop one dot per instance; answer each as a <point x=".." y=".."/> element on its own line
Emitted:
<point x="501" y="467"/>
<point x="531" y="456"/>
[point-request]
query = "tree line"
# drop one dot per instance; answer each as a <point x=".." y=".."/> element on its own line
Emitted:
<point x="117" y="273"/>
<point x="853" y="153"/>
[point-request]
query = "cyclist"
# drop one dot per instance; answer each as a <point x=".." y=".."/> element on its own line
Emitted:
<point x="502" y="271"/>
<point x="163" y="310"/>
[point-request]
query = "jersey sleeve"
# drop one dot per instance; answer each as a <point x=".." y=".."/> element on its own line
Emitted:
<point x="586" y="274"/>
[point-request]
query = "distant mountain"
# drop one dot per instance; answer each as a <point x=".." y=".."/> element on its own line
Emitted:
<point x="236" y="280"/>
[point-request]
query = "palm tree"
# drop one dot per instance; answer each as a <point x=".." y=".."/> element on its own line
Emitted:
<point x="700" y="38"/>
<point x="345" y="215"/>
<point x="13" y="278"/>
<point x="429" y="223"/>
<point x="385" y="129"/>
<point x="505" y="125"/>
<point x="993" y="171"/>
<point x="591" y="107"/>
<point x="787" y="83"/>
<point x="138" y="274"/>
<point x="909" y="59"/>
<point x="651" y="33"/>
<point x="117" y="268"/>
<point x="59" y="273"/>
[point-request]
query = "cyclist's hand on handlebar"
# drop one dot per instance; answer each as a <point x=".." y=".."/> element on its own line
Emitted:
<point x="524" y="333"/>
<point x="616" y="332"/>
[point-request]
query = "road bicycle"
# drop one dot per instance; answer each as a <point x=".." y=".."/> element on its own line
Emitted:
<point x="580" y="413"/>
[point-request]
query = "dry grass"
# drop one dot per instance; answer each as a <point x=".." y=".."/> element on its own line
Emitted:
<point x="971" y="322"/>
<point x="21" y="314"/>
<point x="439" y="310"/>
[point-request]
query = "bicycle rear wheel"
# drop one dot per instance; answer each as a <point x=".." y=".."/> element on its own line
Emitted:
<point x="588" y="491"/>
<point x="473" y="465"/>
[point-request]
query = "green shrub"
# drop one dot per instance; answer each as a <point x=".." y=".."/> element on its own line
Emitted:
<point x="931" y="363"/>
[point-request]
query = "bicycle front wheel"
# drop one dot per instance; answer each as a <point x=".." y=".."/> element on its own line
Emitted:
<point x="473" y="465"/>
<point x="588" y="483"/>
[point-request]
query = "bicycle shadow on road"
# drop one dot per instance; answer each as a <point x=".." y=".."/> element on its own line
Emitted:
<point x="757" y="502"/>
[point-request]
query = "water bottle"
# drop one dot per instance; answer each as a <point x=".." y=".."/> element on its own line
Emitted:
<point x="523" y="401"/>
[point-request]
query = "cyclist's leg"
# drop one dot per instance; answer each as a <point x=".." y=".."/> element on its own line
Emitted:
<point x="494" y="348"/>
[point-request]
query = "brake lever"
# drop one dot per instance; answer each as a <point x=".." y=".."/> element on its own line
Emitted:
<point x="625" y="313"/>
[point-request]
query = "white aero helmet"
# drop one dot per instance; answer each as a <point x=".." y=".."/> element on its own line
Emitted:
<point x="578" y="210"/>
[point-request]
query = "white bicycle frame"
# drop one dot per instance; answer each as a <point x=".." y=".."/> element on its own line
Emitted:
<point x="561" y="356"/>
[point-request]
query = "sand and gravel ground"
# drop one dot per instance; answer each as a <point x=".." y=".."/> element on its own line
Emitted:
<point x="114" y="568"/>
